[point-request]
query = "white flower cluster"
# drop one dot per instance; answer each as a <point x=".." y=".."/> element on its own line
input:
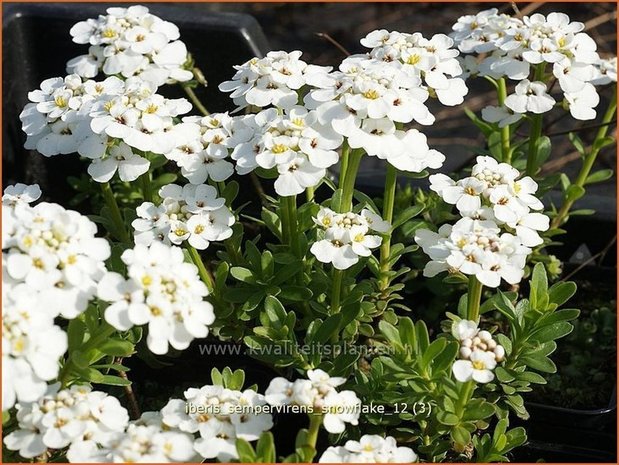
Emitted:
<point x="31" y="345"/>
<point x="318" y="394"/>
<point x="370" y="448"/>
<point x="432" y="60"/>
<point x="191" y="213"/>
<point x="295" y="143"/>
<point x="219" y="416"/>
<point x="130" y="42"/>
<point x="50" y="251"/>
<point x="512" y="46"/>
<point x="366" y="101"/>
<point x="147" y="440"/>
<point x="346" y="236"/>
<point x="491" y="201"/>
<point x="103" y="121"/>
<point x="161" y="291"/>
<point x="63" y="418"/>
<point x="271" y="81"/>
<point x="202" y="145"/>
<point x="479" y="353"/>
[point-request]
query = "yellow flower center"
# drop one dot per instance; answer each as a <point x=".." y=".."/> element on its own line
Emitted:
<point x="413" y="59"/>
<point x="478" y="365"/>
<point x="279" y="148"/>
<point x="60" y="101"/>
<point x="371" y="94"/>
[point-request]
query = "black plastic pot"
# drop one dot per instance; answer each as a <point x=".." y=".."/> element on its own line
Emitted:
<point x="37" y="44"/>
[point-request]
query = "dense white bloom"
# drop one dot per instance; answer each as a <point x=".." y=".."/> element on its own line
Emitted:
<point x="62" y="418"/>
<point x="369" y="449"/>
<point x="317" y="395"/>
<point x="203" y="145"/>
<point x="31" y="345"/>
<point x="346" y="237"/>
<point x="273" y="80"/>
<point x="432" y="60"/>
<point x="138" y="116"/>
<point x="191" y="213"/>
<point x="472" y="339"/>
<point x="147" y="440"/>
<point x="219" y="416"/>
<point x="162" y="291"/>
<point x="54" y="252"/>
<point x="130" y="42"/>
<point x="513" y="47"/>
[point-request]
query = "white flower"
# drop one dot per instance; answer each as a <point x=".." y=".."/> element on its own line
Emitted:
<point x="129" y="165"/>
<point x="369" y="449"/>
<point x="605" y="71"/>
<point x="583" y="102"/>
<point x="464" y="329"/>
<point x="464" y="194"/>
<point x="162" y="291"/>
<point x="296" y="176"/>
<point x="478" y="368"/>
<point x="501" y="115"/>
<point x="530" y="97"/>
<point x="340" y="408"/>
<point x="19" y="192"/>
<point x="335" y="249"/>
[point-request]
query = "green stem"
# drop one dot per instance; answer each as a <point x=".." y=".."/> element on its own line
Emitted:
<point x="290" y="205"/>
<point x="535" y="130"/>
<point x="314" y="428"/>
<point x="589" y="160"/>
<point x="344" y="161"/>
<point x="336" y="292"/>
<point x="195" y="100"/>
<point x="473" y="299"/>
<point x="147" y="192"/>
<point x="505" y="138"/>
<point x="388" y="202"/>
<point x="309" y="194"/>
<point x="204" y="273"/>
<point x="117" y="218"/>
<point x="347" y="184"/>
<point x="465" y="396"/>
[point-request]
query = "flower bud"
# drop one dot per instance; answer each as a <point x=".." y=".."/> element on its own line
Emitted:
<point x="485" y="336"/>
<point x="499" y="353"/>
<point x="465" y="352"/>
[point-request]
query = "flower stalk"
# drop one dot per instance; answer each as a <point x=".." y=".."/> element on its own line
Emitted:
<point x="535" y="131"/>
<point x="117" y="219"/>
<point x="505" y="136"/>
<point x="195" y="100"/>
<point x="388" y="203"/>
<point x="473" y="299"/>
<point x="204" y="273"/>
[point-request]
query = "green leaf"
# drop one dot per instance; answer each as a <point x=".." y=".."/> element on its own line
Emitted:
<point x="265" y="448"/>
<point x="560" y="293"/>
<point x="117" y="348"/>
<point x="540" y="363"/>
<point x="75" y="333"/>
<point x="115" y="381"/>
<point x="246" y="451"/>
<point x="242" y="274"/>
<point x="406" y="215"/>
<point x="574" y="192"/>
<point x="478" y="409"/>
<point x="577" y="143"/>
<point x="599" y="176"/>
<point x="328" y="328"/>
<point x="432" y="352"/>
<point x="552" y="332"/>
<point x="538" y="296"/>
<point x="494" y="145"/>
<point x="447" y="418"/>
